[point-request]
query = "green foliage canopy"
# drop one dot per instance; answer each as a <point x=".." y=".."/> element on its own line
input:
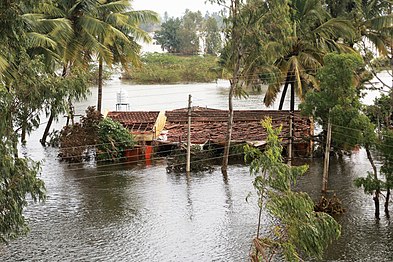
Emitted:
<point x="298" y="229"/>
<point x="339" y="99"/>
<point x="18" y="176"/>
<point x="113" y="140"/>
<point x="183" y="35"/>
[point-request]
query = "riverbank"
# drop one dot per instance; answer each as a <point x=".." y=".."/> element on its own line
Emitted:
<point x="167" y="68"/>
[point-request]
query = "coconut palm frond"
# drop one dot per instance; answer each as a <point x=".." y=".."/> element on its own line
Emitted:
<point x="50" y="10"/>
<point x="3" y="64"/>
<point x="142" y="16"/>
<point x="117" y="20"/>
<point x="380" y="22"/>
<point x="139" y="34"/>
<point x="126" y="54"/>
<point x="334" y="28"/>
<point x="56" y="24"/>
<point x="377" y="42"/>
<point x="115" y="7"/>
<point x="310" y="60"/>
<point x="271" y="94"/>
<point x="92" y="25"/>
<point x="40" y="40"/>
<point x="105" y="53"/>
<point x="296" y="71"/>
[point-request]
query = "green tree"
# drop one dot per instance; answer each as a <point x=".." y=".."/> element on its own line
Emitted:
<point x="114" y="140"/>
<point x="121" y="31"/>
<point x="314" y="33"/>
<point x="190" y="32"/>
<point x="73" y="51"/>
<point x="168" y="36"/>
<point x="182" y="35"/>
<point x="385" y="146"/>
<point x="240" y="56"/>
<point x="103" y="137"/>
<point x="338" y="101"/>
<point x="297" y="229"/>
<point x="212" y="36"/>
<point x="18" y="176"/>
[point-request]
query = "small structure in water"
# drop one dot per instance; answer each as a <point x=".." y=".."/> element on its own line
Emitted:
<point x="168" y="129"/>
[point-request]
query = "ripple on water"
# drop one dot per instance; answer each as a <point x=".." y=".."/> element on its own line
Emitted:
<point x="145" y="214"/>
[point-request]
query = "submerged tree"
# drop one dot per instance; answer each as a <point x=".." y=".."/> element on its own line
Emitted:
<point x="249" y="25"/>
<point x="102" y="137"/>
<point x="338" y="102"/>
<point x="386" y="148"/>
<point x="296" y="228"/>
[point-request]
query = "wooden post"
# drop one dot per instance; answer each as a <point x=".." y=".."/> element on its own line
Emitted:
<point x="327" y="155"/>
<point x="189" y="135"/>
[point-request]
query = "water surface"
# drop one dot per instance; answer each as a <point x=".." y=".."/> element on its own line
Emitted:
<point x="140" y="213"/>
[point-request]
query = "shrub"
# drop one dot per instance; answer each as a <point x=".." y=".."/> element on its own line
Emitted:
<point x="113" y="139"/>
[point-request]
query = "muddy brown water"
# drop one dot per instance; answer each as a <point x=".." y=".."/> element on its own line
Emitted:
<point x="141" y="213"/>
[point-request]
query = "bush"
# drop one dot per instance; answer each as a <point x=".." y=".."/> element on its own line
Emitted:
<point x="104" y="137"/>
<point x="113" y="139"/>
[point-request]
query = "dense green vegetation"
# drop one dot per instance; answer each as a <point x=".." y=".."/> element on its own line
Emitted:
<point x="169" y="69"/>
<point x="286" y="44"/>
<point x="94" y="136"/>
<point x="112" y="141"/>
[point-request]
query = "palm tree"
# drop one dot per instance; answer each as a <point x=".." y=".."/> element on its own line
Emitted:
<point x="119" y="38"/>
<point x="73" y="50"/>
<point x="297" y="57"/>
<point x="103" y="29"/>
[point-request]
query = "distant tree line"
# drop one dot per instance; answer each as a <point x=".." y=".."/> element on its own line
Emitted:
<point x="191" y="34"/>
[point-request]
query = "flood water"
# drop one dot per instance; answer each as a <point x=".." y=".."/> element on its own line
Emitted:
<point x="141" y="213"/>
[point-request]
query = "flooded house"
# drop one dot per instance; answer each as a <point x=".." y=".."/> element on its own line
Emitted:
<point x="164" y="130"/>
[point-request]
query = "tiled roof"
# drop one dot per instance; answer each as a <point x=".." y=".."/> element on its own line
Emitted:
<point x="211" y="125"/>
<point x="135" y="120"/>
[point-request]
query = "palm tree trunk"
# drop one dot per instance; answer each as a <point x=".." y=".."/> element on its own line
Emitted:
<point x="378" y="190"/>
<point x="284" y="91"/>
<point x="100" y="83"/>
<point x="387" y="201"/>
<point x="23" y="135"/>
<point x="47" y="128"/>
